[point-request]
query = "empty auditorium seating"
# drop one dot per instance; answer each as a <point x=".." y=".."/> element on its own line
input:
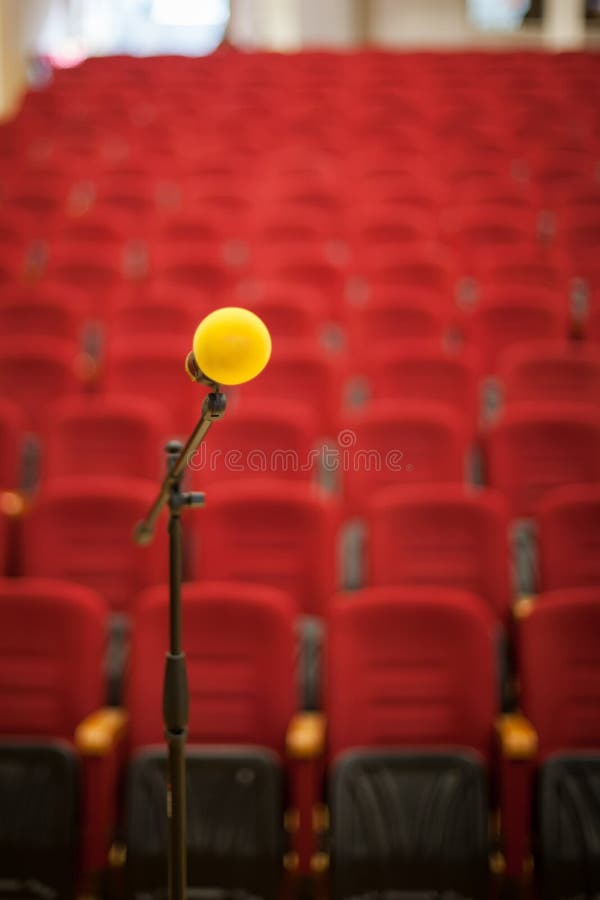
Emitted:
<point x="271" y="531"/>
<point x="440" y="534"/>
<point x="36" y="371"/>
<point x="57" y="758"/>
<point x="81" y="530"/>
<point x="276" y="439"/>
<point x="394" y="314"/>
<point x="425" y="370"/>
<point x="410" y="699"/>
<point x="170" y="318"/>
<point x="392" y="443"/>
<point x="407" y="224"/>
<point x="560" y="696"/>
<point x="512" y="315"/>
<point x="43" y="314"/>
<point x="305" y="374"/>
<point x="11" y="432"/>
<point x="289" y="314"/>
<point x="536" y="447"/>
<point x="152" y="367"/>
<point x="105" y="434"/>
<point x="551" y="372"/>
<point x="569" y="537"/>
<point x="242" y="703"/>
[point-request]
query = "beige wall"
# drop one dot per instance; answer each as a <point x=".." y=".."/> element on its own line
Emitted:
<point x="20" y="21"/>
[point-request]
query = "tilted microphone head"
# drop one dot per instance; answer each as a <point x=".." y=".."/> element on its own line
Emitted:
<point x="231" y="346"/>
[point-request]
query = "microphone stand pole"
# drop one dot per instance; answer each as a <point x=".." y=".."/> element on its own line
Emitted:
<point x="175" y="691"/>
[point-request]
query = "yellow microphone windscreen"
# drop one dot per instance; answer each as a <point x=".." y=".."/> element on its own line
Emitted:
<point x="232" y="345"/>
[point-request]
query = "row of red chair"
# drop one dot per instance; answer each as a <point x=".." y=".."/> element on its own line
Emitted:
<point x="410" y="735"/>
<point x="277" y="532"/>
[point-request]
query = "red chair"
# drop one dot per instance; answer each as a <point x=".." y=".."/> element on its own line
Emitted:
<point x="170" y="318"/>
<point x="11" y="430"/>
<point x="80" y="530"/>
<point x="392" y="443"/>
<point x="239" y="773"/>
<point x="34" y="373"/>
<point x="523" y="269"/>
<point x="551" y="372"/>
<point x="304" y="373"/>
<point x="53" y="314"/>
<point x="592" y="327"/>
<point x="95" y="271"/>
<point x="394" y="314"/>
<point x="569" y="537"/>
<point x="536" y="447"/>
<point x="275" y="532"/>
<point x="426" y="370"/>
<point x="299" y="267"/>
<point x="290" y="315"/>
<point x="440" y="534"/>
<point x="276" y="439"/>
<point x="422" y="267"/>
<point x="410" y="700"/>
<point x="58" y="749"/>
<point x="105" y="435"/>
<point x="185" y="267"/>
<point x="511" y="316"/>
<point x="559" y="665"/>
<point x="152" y="368"/>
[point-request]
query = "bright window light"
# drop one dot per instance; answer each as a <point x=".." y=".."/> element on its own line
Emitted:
<point x="195" y="13"/>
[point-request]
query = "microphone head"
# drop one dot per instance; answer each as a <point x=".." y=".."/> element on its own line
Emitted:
<point x="231" y="345"/>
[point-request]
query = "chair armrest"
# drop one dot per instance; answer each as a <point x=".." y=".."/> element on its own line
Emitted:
<point x="305" y="738"/>
<point x="12" y="504"/>
<point x="524" y="606"/>
<point x="99" y="740"/>
<point x="100" y="732"/>
<point x="517" y="745"/>
<point x="517" y="737"/>
<point x="305" y="745"/>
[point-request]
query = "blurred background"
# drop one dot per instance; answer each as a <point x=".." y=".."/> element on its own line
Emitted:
<point x="66" y="31"/>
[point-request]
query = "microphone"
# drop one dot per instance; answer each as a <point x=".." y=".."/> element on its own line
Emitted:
<point x="230" y="346"/>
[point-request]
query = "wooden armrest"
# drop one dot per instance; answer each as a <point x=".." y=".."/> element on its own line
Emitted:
<point x="305" y="737"/>
<point x="524" y="606"/>
<point x="99" y="732"/>
<point x="518" y="738"/>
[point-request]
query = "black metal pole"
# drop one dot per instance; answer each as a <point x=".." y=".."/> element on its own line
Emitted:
<point x="175" y="691"/>
<point x="176" y="698"/>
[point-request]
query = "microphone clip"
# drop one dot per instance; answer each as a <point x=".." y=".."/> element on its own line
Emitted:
<point x="196" y="374"/>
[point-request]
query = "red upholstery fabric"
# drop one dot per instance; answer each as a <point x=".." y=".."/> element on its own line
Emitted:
<point x="410" y="667"/>
<point x="11" y="428"/>
<point x="569" y="537"/>
<point x="443" y="535"/>
<point x="105" y="435"/>
<point x="81" y="529"/>
<point x="239" y="694"/>
<point x="274" y="438"/>
<point x="305" y="374"/>
<point x="271" y="532"/>
<point x="536" y="447"/>
<point x="34" y="372"/>
<point x="152" y="368"/>
<point x="551" y="371"/>
<point x="425" y="370"/>
<point x="393" y="443"/>
<point x="560" y="669"/>
<point x="499" y="322"/>
<point x="50" y="674"/>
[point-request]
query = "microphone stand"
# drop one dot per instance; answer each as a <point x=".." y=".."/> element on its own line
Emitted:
<point x="175" y="691"/>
